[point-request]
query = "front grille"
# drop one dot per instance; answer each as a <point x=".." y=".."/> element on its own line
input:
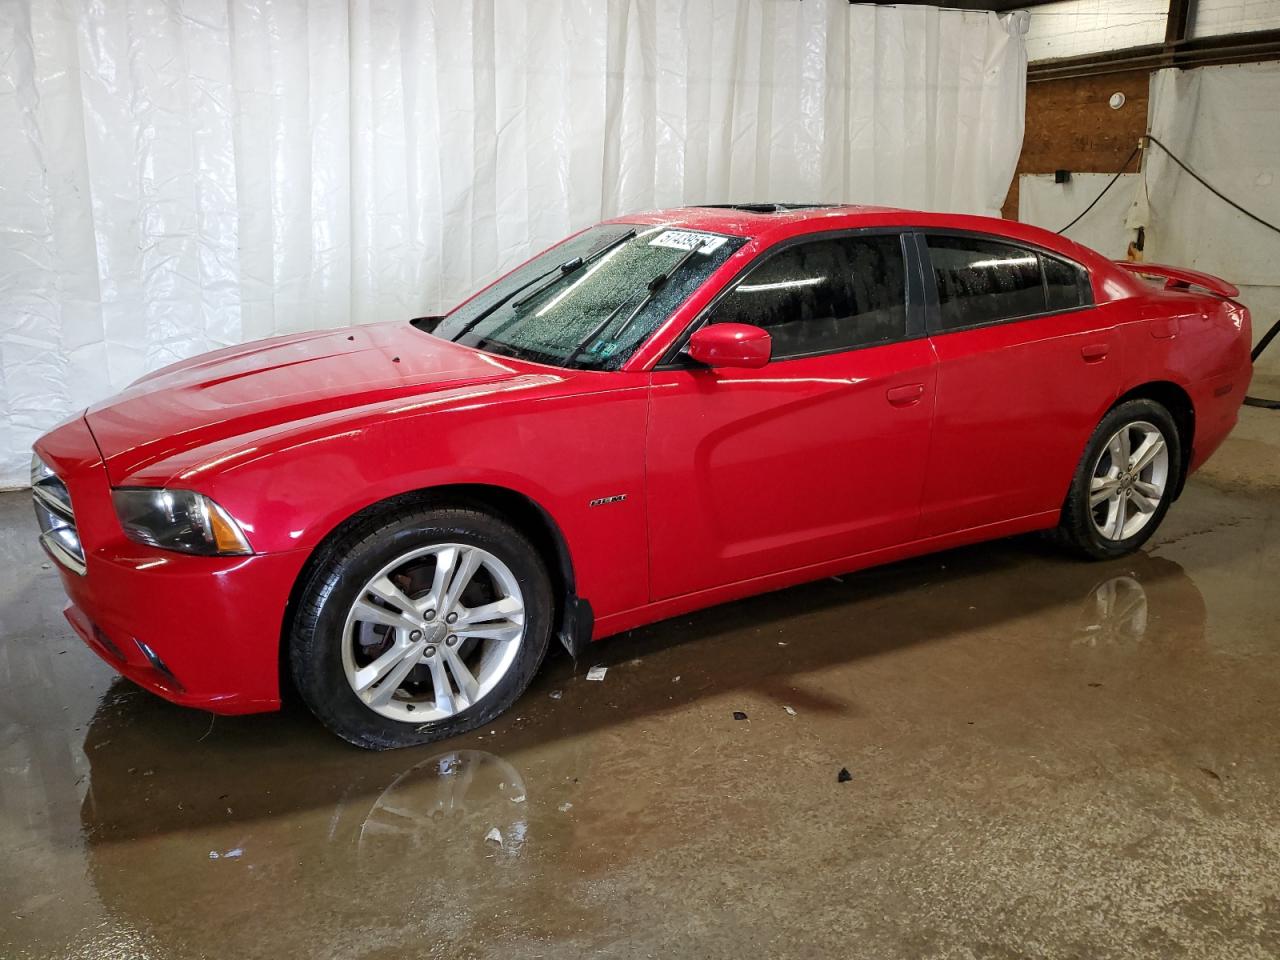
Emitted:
<point x="57" y="520"/>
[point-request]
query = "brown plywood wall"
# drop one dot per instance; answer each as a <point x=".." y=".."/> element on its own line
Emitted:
<point x="1071" y="126"/>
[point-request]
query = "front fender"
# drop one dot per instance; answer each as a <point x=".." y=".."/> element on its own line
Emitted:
<point x="543" y="437"/>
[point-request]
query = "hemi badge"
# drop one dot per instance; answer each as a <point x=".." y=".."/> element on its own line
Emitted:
<point x="616" y="498"/>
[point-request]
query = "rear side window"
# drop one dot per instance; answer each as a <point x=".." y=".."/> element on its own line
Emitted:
<point x="1065" y="284"/>
<point x="982" y="281"/>
<point x="824" y="295"/>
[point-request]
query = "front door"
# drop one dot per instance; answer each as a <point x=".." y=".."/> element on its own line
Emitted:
<point x="817" y="456"/>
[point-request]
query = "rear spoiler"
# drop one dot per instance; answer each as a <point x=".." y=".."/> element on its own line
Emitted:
<point x="1178" y="278"/>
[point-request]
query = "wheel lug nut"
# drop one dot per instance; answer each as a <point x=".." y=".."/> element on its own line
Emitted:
<point x="451" y="618"/>
<point x="451" y="640"/>
<point x="415" y="635"/>
<point x="429" y="652"/>
<point x="429" y="615"/>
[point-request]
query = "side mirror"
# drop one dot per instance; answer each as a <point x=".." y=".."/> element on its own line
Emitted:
<point x="730" y="345"/>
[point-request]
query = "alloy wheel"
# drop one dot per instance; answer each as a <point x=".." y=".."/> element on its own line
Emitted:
<point x="1129" y="480"/>
<point x="433" y="632"/>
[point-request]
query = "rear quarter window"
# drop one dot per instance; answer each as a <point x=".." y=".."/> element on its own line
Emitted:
<point x="981" y="280"/>
<point x="1066" y="285"/>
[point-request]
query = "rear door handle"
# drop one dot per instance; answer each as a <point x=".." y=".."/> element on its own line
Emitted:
<point x="905" y="395"/>
<point x="1094" y="352"/>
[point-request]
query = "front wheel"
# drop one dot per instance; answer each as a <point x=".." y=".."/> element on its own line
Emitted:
<point x="420" y="626"/>
<point x="1124" y="483"/>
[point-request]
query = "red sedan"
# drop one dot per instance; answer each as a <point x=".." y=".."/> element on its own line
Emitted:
<point x="662" y="412"/>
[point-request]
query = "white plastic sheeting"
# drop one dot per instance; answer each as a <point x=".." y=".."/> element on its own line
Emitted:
<point x="1222" y="122"/>
<point x="1071" y="28"/>
<point x="1052" y="205"/>
<point x="177" y="176"/>
<point x="1214" y="17"/>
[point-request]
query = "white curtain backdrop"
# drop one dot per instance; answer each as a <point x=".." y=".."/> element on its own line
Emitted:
<point x="177" y="176"/>
<point x="1222" y="122"/>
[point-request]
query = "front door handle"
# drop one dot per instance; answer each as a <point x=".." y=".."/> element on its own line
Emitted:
<point x="905" y="395"/>
<point x="1094" y="352"/>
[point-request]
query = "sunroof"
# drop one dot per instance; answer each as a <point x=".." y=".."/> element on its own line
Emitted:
<point x="765" y="207"/>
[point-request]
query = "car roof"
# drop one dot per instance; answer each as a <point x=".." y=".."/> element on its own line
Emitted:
<point x="767" y="223"/>
<point x="753" y="220"/>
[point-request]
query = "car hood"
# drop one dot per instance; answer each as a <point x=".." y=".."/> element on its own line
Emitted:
<point x="259" y="385"/>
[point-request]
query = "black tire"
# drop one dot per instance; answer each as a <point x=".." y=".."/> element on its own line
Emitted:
<point x="347" y="563"/>
<point x="1076" y="530"/>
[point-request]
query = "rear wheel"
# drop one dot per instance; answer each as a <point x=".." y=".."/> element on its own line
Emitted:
<point x="1124" y="483"/>
<point x="417" y="627"/>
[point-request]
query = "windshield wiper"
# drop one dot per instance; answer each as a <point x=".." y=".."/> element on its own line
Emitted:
<point x="563" y="269"/>
<point x="654" y="285"/>
<point x="572" y="267"/>
<point x="567" y="267"/>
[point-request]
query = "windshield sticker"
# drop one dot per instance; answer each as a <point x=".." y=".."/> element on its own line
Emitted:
<point x="687" y="240"/>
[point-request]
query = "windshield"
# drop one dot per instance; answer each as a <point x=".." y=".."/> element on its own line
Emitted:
<point x="592" y="300"/>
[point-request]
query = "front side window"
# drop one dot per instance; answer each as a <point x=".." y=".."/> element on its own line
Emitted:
<point x="822" y="296"/>
<point x="591" y="301"/>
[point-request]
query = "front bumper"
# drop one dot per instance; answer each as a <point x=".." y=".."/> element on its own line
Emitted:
<point x="199" y="631"/>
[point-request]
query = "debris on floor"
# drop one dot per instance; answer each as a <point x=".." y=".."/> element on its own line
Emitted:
<point x="494" y="835"/>
<point x="597" y="672"/>
<point x="557" y="694"/>
<point x="791" y="711"/>
<point x="676" y="678"/>
<point x="844" y="776"/>
<point x="565" y="807"/>
<point x="739" y="715"/>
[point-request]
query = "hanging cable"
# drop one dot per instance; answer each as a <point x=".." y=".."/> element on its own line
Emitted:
<point x="1211" y="188"/>
<point x="1123" y="167"/>
<point x="1178" y="160"/>
<point x="1270" y="334"/>
<point x="1253" y="356"/>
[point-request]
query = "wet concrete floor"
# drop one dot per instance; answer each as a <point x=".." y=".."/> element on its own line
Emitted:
<point x="1049" y="758"/>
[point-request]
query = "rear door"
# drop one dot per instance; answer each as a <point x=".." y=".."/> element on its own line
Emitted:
<point x="818" y="455"/>
<point x="1026" y="365"/>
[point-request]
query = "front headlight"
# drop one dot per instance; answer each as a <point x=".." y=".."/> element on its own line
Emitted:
<point x="48" y="487"/>
<point x="39" y="469"/>
<point x="178" y="520"/>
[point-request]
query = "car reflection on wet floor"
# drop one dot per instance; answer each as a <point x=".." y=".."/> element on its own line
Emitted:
<point x="409" y="832"/>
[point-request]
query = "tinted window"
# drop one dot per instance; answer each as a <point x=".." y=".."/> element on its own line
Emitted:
<point x="1066" y="284"/>
<point x="981" y="281"/>
<point x="823" y="296"/>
